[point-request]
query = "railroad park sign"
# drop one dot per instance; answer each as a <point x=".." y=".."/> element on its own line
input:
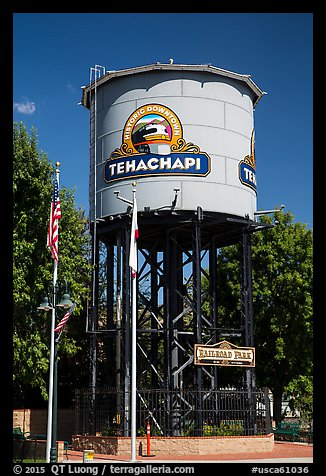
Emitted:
<point x="224" y="354"/>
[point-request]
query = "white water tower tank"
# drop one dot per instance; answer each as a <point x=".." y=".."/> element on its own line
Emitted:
<point x="173" y="126"/>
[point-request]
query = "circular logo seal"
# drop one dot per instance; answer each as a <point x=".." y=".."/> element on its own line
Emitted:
<point x="151" y="126"/>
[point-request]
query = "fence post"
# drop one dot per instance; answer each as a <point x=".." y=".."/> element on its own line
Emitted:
<point x="268" y="421"/>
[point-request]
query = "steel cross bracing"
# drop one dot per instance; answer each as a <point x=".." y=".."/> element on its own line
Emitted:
<point x="175" y="310"/>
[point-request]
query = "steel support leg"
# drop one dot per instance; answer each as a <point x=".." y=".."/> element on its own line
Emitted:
<point x="247" y="315"/>
<point x="197" y="313"/>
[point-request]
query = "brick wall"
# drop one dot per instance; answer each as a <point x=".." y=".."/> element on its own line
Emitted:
<point x="35" y="421"/>
<point x="176" y="445"/>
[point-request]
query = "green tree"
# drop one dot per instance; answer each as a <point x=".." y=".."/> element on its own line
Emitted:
<point x="300" y="391"/>
<point x="282" y="304"/>
<point x="33" y="267"/>
<point x="283" y="311"/>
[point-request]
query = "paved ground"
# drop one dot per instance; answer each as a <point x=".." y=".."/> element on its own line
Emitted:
<point x="282" y="453"/>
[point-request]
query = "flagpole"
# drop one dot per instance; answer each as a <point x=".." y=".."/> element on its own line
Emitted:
<point x="50" y="403"/>
<point x="133" y="358"/>
<point x="133" y="265"/>
<point x="52" y="351"/>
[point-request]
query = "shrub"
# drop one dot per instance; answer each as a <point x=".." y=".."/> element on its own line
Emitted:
<point x="225" y="429"/>
<point x="109" y="431"/>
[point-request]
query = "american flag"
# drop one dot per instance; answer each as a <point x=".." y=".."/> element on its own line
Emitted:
<point x="64" y="319"/>
<point x="133" y="241"/>
<point x="55" y="214"/>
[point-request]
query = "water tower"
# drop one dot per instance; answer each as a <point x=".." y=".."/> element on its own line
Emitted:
<point x="183" y="137"/>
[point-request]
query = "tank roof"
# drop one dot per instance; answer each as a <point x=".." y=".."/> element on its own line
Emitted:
<point x="208" y="68"/>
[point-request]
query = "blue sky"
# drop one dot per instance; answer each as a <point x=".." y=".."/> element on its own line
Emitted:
<point x="53" y="54"/>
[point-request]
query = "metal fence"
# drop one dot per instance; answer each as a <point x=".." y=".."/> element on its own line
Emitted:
<point x="29" y="448"/>
<point x="173" y="413"/>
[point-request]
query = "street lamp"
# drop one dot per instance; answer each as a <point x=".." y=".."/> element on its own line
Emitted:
<point x="51" y="447"/>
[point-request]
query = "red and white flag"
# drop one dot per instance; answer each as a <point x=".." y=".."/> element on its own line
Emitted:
<point x="55" y="214"/>
<point x="65" y="318"/>
<point x="133" y="258"/>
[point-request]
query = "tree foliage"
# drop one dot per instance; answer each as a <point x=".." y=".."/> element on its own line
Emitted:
<point x="282" y="282"/>
<point x="33" y="266"/>
<point x="282" y="291"/>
